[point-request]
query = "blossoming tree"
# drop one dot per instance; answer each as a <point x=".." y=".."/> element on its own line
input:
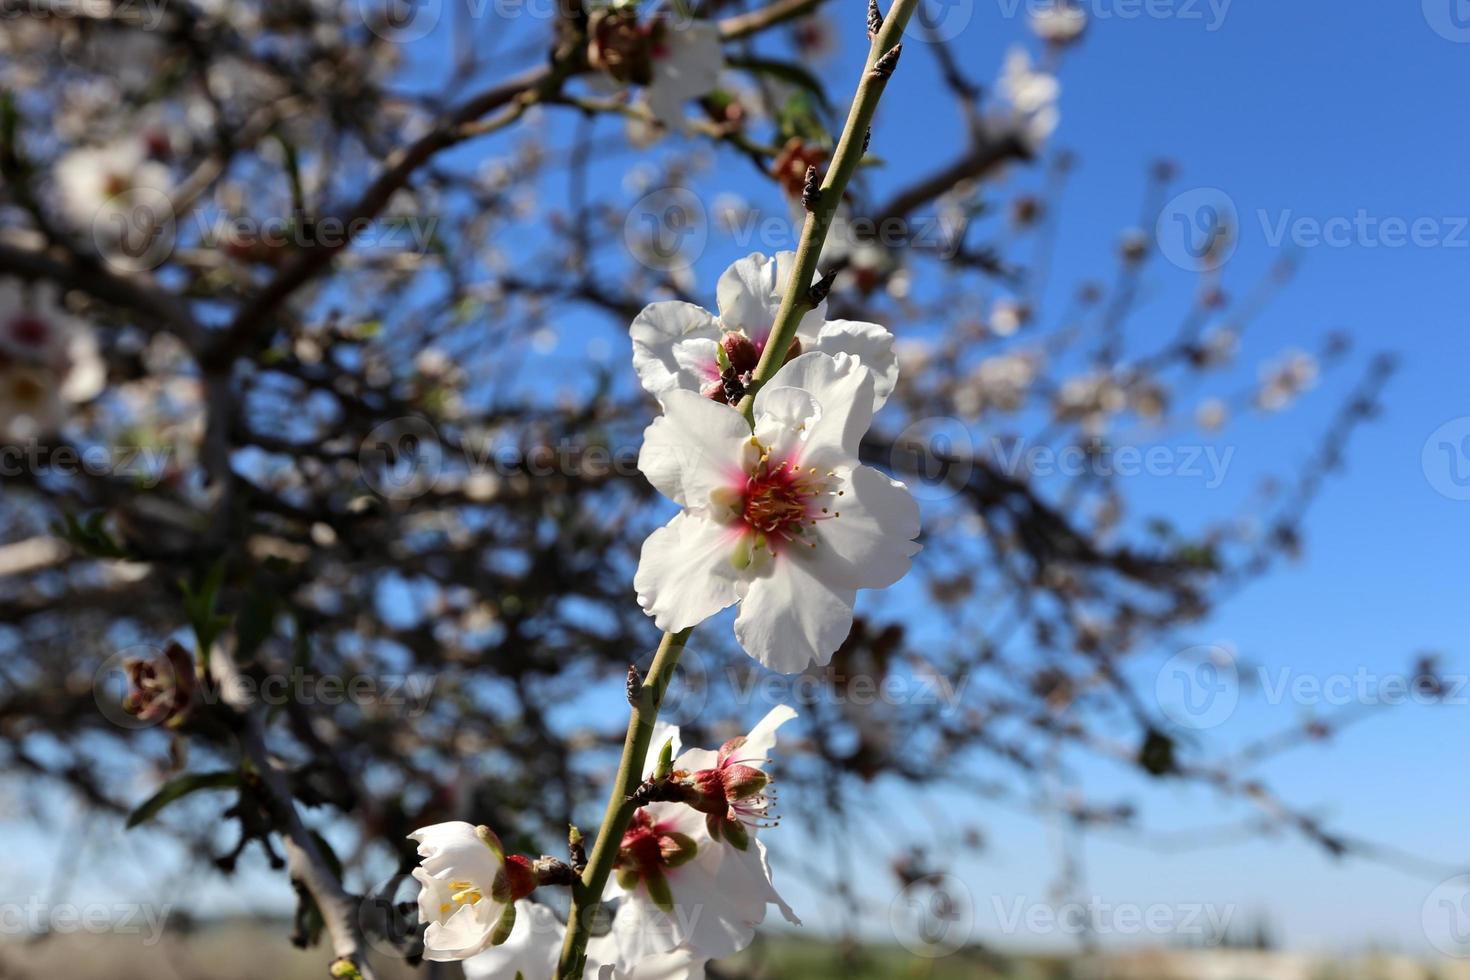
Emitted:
<point x="282" y="400"/>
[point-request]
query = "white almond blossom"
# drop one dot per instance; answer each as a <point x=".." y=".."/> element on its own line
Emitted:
<point x="1059" y="23"/>
<point x="1032" y="98"/>
<point x="784" y="520"/>
<point x="469" y="889"/>
<point x="120" y="196"/>
<point x="535" y="944"/>
<point x="48" y="361"/>
<point x="687" y="61"/>
<point x="680" y="346"/>
<point x="732" y="787"/>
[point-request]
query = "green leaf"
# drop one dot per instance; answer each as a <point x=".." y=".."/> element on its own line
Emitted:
<point x="178" y="788"/>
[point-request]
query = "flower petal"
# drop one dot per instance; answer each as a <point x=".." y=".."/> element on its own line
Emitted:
<point x="749" y="294"/>
<point x="693" y="449"/>
<point x="669" y="341"/>
<point x="685" y="574"/>
<point x="844" y="390"/>
<point x="874" y="534"/>
<point x="871" y="344"/>
<point x="798" y="613"/>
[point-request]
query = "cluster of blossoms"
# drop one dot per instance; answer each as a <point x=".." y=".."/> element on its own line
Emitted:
<point x="687" y="887"/>
<point x="778" y="516"/>
<point x="48" y="361"/>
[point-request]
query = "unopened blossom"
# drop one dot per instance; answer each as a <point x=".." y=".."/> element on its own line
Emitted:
<point x="677" y="888"/>
<point x="161" y="691"/>
<point x="783" y="520"/>
<point x="469" y="889"/>
<point x="115" y="191"/>
<point x="681" y="347"/>
<point x="48" y="361"/>
<point x="1059" y="23"/>
<point x="729" y="785"/>
<point x="1031" y="96"/>
<point x="674" y="61"/>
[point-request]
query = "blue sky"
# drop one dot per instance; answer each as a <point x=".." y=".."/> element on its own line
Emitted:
<point x="1304" y="110"/>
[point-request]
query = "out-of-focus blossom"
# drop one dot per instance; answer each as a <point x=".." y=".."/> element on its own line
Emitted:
<point x="1285" y="379"/>
<point x="673" y="60"/>
<point x="1031" y="97"/>
<point x="48" y="361"/>
<point x="1059" y="23"/>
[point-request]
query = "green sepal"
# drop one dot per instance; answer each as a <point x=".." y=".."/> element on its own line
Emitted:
<point x="504" y="926"/>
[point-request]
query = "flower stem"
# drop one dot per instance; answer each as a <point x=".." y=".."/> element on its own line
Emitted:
<point x="588" y="892"/>
<point x="850" y="149"/>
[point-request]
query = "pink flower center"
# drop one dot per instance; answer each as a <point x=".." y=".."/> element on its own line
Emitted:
<point x="780" y="499"/>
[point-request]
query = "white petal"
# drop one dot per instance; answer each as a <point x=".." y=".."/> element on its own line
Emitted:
<point x="662" y="354"/>
<point x="797" y="614"/>
<point x="844" y="390"/>
<point x="685" y="574"/>
<point x="693" y="449"/>
<point x="871" y="344"/>
<point x="785" y="415"/>
<point x="874" y="534"/>
<point x="466" y="932"/>
<point x="750" y="291"/>
<point x="762" y="738"/>
<point x="531" y="949"/>
<point x="454" y="850"/>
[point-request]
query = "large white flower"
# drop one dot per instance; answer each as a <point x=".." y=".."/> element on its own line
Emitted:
<point x="680" y="346"/>
<point x="784" y="520"/>
<point x="469" y="889"/>
<point x="48" y="360"/>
